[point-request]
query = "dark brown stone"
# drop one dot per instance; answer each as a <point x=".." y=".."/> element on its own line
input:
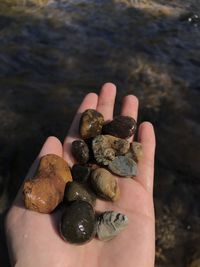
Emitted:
<point x="78" y="191"/>
<point x="80" y="151"/>
<point x="121" y="126"/>
<point x="80" y="173"/>
<point x="78" y="223"/>
<point x="91" y="124"/>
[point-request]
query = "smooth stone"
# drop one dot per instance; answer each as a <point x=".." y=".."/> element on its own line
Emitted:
<point x="45" y="192"/>
<point x="78" y="191"/>
<point x="123" y="166"/>
<point x="121" y="126"/>
<point x="107" y="147"/>
<point x="80" y="173"/>
<point x="110" y="224"/>
<point x="78" y="224"/>
<point x="105" y="184"/>
<point x="80" y="151"/>
<point x="91" y="123"/>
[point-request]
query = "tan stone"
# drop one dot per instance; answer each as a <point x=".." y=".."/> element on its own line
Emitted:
<point x="46" y="190"/>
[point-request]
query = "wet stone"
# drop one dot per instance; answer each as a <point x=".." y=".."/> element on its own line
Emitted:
<point x="78" y="191"/>
<point x="121" y="126"/>
<point x="110" y="224"/>
<point x="123" y="166"/>
<point x="78" y="225"/>
<point x="107" y="147"/>
<point x="80" y="151"/>
<point x="91" y="124"/>
<point x="105" y="184"/>
<point x="80" y="173"/>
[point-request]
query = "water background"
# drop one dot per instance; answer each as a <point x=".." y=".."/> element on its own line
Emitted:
<point x="54" y="52"/>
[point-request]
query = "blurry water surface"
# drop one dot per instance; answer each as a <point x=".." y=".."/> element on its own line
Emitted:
<point x="54" y="52"/>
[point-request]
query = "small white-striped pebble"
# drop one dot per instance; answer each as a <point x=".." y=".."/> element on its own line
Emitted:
<point x="110" y="224"/>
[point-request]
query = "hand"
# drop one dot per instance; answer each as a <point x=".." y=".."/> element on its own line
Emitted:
<point x="33" y="238"/>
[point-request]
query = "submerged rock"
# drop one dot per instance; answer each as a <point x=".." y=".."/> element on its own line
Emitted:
<point x="91" y="123"/>
<point x="110" y="224"/>
<point x="121" y="126"/>
<point x="105" y="184"/>
<point x="107" y="147"/>
<point x="80" y="151"/>
<point x="80" y="173"/>
<point x="77" y="191"/>
<point x="123" y="166"/>
<point x="78" y="223"/>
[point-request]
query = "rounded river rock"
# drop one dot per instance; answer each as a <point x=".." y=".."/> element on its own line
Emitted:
<point x="80" y="173"/>
<point x="121" y="126"/>
<point x="79" y="191"/>
<point x="123" y="166"/>
<point x="78" y="224"/>
<point x="80" y="151"/>
<point x="91" y="123"/>
<point x="105" y="184"/>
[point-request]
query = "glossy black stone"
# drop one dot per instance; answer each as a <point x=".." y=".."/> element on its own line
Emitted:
<point x="78" y="223"/>
<point x="80" y="173"/>
<point x="80" y="151"/>
<point x="121" y="126"/>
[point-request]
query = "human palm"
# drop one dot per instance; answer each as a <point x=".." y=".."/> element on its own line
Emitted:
<point x="33" y="238"/>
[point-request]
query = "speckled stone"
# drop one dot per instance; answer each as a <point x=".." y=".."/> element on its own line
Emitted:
<point x="107" y="147"/>
<point x="105" y="184"/>
<point x="110" y="224"/>
<point x="91" y="123"/>
<point x="78" y="191"/>
<point x="135" y="151"/>
<point x="121" y="126"/>
<point x="80" y="173"/>
<point x="123" y="166"/>
<point x="80" y="151"/>
<point x="78" y="223"/>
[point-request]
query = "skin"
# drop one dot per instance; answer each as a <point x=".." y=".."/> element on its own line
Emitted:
<point x="33" y="238"/>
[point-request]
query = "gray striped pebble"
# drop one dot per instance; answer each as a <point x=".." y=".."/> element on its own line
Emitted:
<point x="110" y="224"/>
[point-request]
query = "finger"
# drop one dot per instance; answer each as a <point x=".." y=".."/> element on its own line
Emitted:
<point x="130" y="108"/>
<point x="51" y="146"/>
<point x="90" y="101"/>
<point x="146" y="136"/>
<point x="106" y="100"/>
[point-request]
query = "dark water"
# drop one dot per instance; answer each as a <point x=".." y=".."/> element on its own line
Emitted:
<point x="52" y="54"/>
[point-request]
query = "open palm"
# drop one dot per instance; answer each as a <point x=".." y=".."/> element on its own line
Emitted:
<point x="33" y="238"/>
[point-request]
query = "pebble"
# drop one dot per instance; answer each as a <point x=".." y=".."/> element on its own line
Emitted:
<point x="107" y="147"/>
<point x="91" y="123"/>
<point x="78" y="224"/>
<point x="77" y="191"/>
<point x="110" y="224"/>
<point x="80" y="173"/>
<point x="105" y="184"/>
<point x="123" y="166"/>
<point x="135" y="151"/>
<point x="121" y="126"/>
<point x="80" y="151"/>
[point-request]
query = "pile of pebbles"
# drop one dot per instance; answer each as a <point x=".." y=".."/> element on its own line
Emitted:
<point x="102" y="153"/>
